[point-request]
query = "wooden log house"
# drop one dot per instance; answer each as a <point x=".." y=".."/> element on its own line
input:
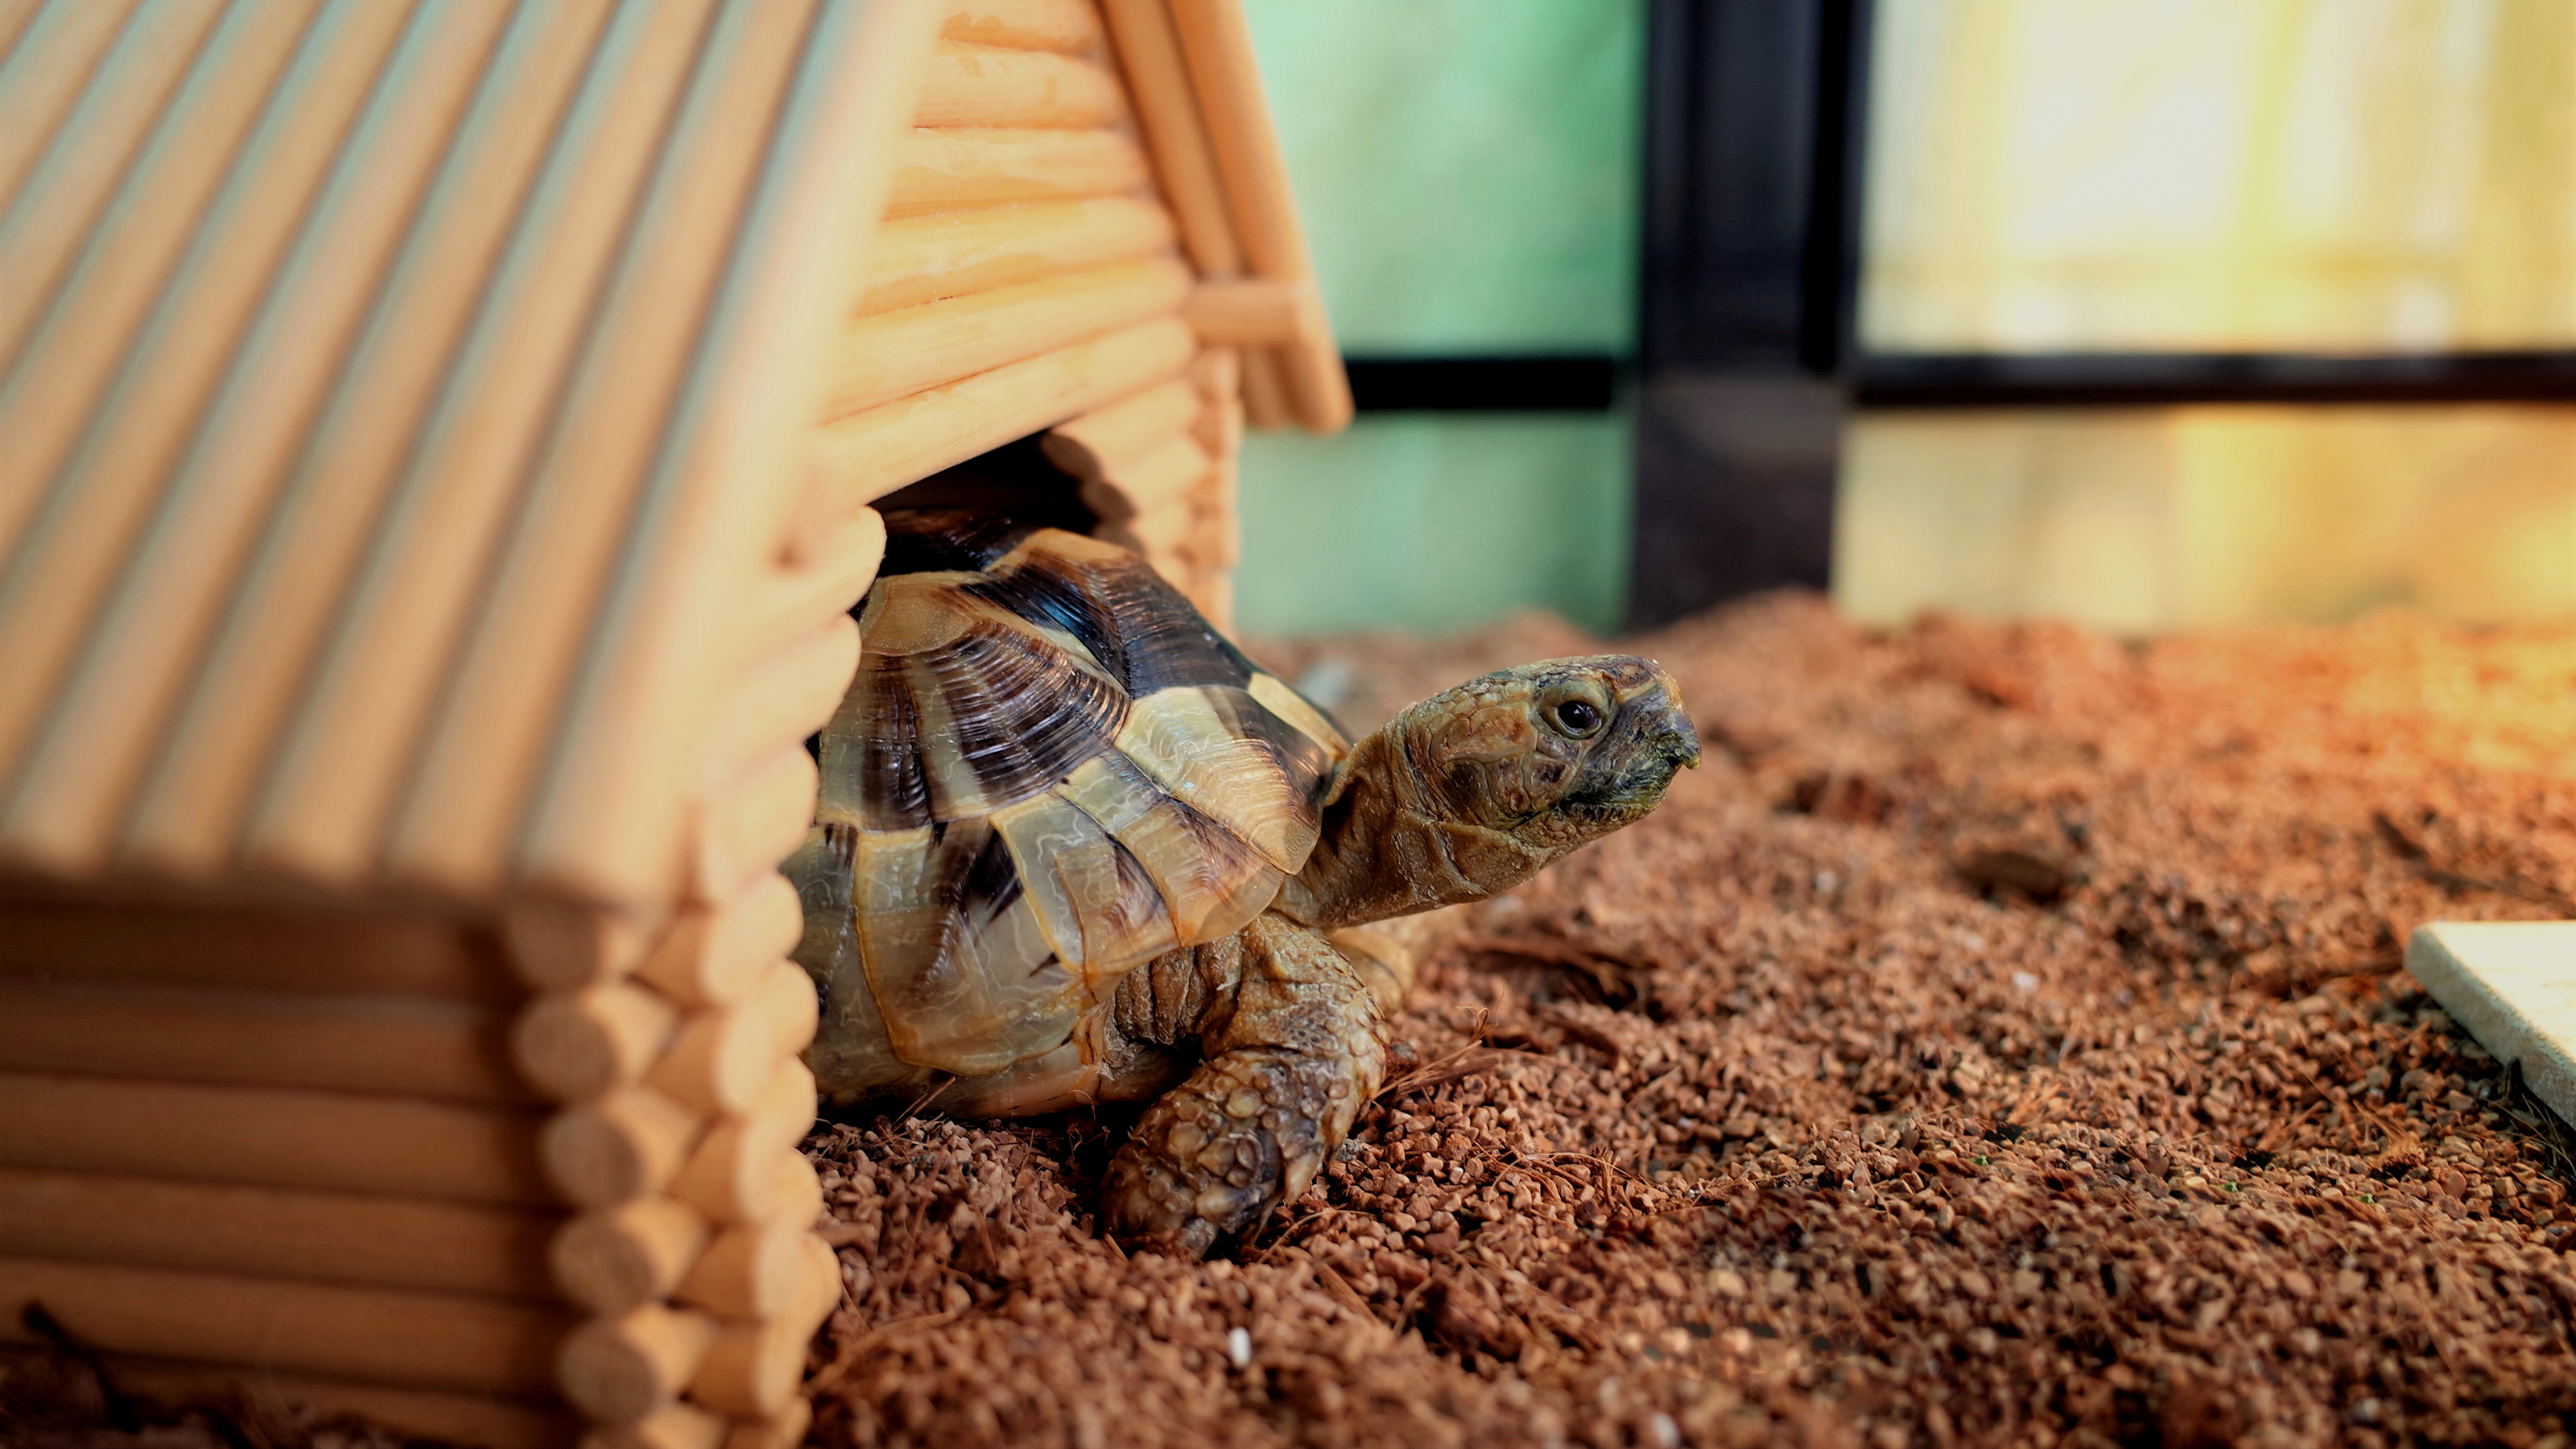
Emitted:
<point x="437" y="444"/>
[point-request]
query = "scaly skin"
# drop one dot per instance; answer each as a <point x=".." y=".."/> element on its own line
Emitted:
<point x="1461" y="797"/>
<point x="1293" y="1048"/>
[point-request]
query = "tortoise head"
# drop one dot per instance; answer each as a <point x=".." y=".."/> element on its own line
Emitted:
<point x="1554" y="753"/>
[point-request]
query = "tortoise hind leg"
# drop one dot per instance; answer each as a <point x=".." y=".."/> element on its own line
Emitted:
<point x="1290" y="1034"/>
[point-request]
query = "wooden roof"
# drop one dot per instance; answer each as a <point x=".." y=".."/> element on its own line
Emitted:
<point x="394" y="399"/>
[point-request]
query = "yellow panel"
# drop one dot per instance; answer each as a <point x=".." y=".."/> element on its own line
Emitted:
<point x="2147" y="519"/>
<point x="2221" y="174"/>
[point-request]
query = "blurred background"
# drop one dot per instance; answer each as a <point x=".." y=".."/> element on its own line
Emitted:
<point x="2148" y="315"/>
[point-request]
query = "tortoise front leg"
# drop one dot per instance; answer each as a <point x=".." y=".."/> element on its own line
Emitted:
<point x="1292" y="1046"/>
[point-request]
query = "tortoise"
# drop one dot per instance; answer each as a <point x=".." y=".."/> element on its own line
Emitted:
<point x="1073" y="847"/>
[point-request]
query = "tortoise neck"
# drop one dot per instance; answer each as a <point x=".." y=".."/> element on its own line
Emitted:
<point x="1388" y="846"/>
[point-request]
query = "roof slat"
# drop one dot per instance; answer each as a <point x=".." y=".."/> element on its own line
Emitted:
<point x="87" y="324"/>
<point x="42" y="226"/>
<point x="490" y="741"/>
<point x="715" y="523"/>
<point x="341" y="767"/>
<point x="132" y="436"/>
<point x="45" y="75"/>
<point x="15" y="16"/>
<point x="173" y="586"/>
<point x="187" y="817"/>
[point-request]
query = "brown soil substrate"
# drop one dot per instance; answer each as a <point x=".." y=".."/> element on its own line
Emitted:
<point x="2000" y="1039"/>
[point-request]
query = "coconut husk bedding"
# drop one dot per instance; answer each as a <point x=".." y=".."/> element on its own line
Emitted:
<point x="2001" y="1038"/>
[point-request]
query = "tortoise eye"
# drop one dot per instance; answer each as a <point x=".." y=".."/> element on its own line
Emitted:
<point x="1576" y="717"/>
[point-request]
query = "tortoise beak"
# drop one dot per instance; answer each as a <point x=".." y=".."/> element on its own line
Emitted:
<point x="1679" y="740"/>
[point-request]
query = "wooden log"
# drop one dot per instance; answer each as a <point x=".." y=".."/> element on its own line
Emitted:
<point x="982" y="85"/>
<point x="410" y="1045"/>
<point x="1070" y="27"/>
<point x="714" y="955"/>
<point x="724" y="1056"/>
<point x="1265" y="393"/>
<point x="558" y="945"/>
<point x="752" y="823"/>
<point x="61" y="55"/>
<point x="352" y="744"/>
<point x="672" y="1426"/>
<point x="620" y="1369"/>
<point x="955" y="253"/>
<point x="1107" y="438"/>
<point x="251" y="377"/>
<point x="937" y="170"/>
<point x="755" y="1271"/>
<point x="896" y="354"/>
<point x="1254" y="312"/>
<point x="867" y="455"/>
<point x="830" y="563"/>
<point x="738" y="1173"/>
<point x="795" y="1193"/>
<point x="1149" y="54"/>
<point x="375" y="1335"/>
<point x="1162" y="480"/>
<point x="271" y="1137"/>
<point x="486" y="1420"/>
<point x="610" y="1260"/>
<point x="1217" y="39"/>
<point x="1163" y="535"/>
<point x="250" y="678"/>
<point x="619" y="1147"/>
<point x="779" y="699"/>
<point x="751" y="1370"/>
<point x="1218" y="373"/>
<point x="256" y="949"/>
<point x="388" y="1242"/>
<point x="576" y="1045"/>
<point x="782" y="1430"/>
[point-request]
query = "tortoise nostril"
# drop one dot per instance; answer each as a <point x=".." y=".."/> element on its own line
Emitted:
<point x="1680" y="741"/>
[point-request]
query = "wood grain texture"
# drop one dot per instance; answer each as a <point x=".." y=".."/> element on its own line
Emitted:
<point x="315" y="539"/>
<point x="895" y="354"/>
<point x="137" y="431"/>
<point x="413" y="1046"/>
<point x="58" y="204"/>
<point x="1070" y="27"/>
<point x="951" y="170"/>
<point x="618" y="1148"/>
<point x="377" y="1335"/>
<point x="751" y="1369"/>
<point x="983" y="85"/>
<point x="1112" y="437"/>
<point x="781" y="698"/>
<point x="725" y="1055"/>
<point x="620" y="1369"/>
<point x="1227" y="80"/>
<point x="867" y="455"/>
<point x="342" y="759"/>
<point x="255" y="949"/>
<point x="719" y="953"/>
<point x="371" y="1239"/>
<point x="751" y="823"/>
<point x="1149" y="54"/>
<point x="271" y="1137"/>
<point x="619" y="1258"/>
<point x="60" y="360"/>
<point x="575" y="1045"/>
<point x="951" y="254"/>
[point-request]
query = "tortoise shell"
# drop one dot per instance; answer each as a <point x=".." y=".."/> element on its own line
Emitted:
<point x="1048" y="770"/>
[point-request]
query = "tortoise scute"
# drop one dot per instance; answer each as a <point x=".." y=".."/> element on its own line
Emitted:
<point x="1001" y="721"/>
<point x="952" y="949"/>
<point x="1211" y="881"/>
<point x="1188" y="742"/>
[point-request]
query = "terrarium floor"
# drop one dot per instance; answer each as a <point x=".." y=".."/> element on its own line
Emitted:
<point x="2000" y="1039"/>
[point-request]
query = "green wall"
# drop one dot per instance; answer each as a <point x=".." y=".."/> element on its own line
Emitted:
<point x="1468" y="174"/>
